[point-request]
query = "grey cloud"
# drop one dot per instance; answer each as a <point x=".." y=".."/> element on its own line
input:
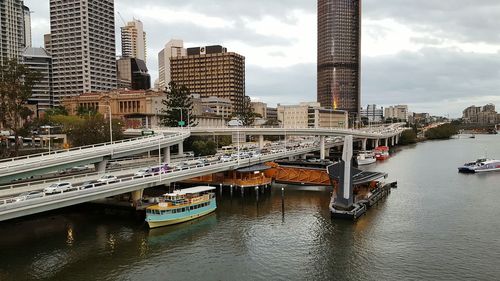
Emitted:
<point x="282" y="85"/>
<point x="462" y="20"/>
<point x="431" y="76"/>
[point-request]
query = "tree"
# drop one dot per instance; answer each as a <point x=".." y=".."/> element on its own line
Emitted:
<point x="82" y="111"/>
<point x="444" y="131"/>
<point x="408" y="137"/>
<point x="204" y="148"/>
<point x="246" y="113"/>
<point x="16" y="86"/>
<point x="178" y="107"/>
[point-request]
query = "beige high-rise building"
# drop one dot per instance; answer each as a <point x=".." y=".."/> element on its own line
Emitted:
<point x="311" y="115"/>
<point x="13" y="28"/>
<point x="260" y="108"/>
<point x="211" y="71"/>
<point x="174" y="48"/>
<point x="397" y="111"/>
<point x="82" y="46"/>
<point x="134" y="40"/>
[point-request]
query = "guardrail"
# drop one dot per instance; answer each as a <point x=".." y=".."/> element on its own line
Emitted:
<point x="118" y="147"/>
<point x="235" y="163"/>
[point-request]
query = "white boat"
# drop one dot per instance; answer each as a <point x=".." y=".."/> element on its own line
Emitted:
<point x="366" y="158"/>
<point x="481" y="165"/>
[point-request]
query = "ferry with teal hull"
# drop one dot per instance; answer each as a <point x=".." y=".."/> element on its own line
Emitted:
<point x="181" y="206"/>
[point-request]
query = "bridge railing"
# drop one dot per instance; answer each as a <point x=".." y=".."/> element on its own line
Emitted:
<point x="96" y="149"/>
<point x="219" y="164"/>
<point x="74" y="149"/>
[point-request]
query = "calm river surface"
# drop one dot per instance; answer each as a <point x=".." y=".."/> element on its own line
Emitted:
<point x="438" y="225"/>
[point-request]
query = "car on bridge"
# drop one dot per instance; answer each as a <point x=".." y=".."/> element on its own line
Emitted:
<point x="28" y="195"/>
<point x="58" y="187"/>
<point x="90" y="184"/>
<point x="107" y="179"/>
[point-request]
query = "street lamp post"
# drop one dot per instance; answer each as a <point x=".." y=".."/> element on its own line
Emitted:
<point x="187" y="111"/>
<point x="110" y="122"/>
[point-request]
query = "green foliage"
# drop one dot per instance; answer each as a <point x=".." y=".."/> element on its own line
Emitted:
<point x="178" y="107"/>
<point x="82" y="111"/>
<point x="87" y="130"/>
<point x="246" y="113"/>
<point x="444" y="131"/>
<point x="408" y="137"/>
<point x="204" y="148"/>
<point x="16" y="85"/>
<point x="59" y="110"/>
<point x="224" y="140"/>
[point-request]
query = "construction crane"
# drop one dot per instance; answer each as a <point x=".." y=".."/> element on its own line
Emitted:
<point x="124" y="23"/>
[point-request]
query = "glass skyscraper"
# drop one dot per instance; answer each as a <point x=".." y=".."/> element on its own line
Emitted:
<point x="339" y="55"/>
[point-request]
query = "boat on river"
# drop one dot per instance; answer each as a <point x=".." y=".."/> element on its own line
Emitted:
<point x="381" y="152"/>
<point x="480" y="165"/>
<point x="366" y="158"/>
<point x="181" y="206"/>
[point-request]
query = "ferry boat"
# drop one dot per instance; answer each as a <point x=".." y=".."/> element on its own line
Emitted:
<point x="381" y="152"/>
<point x="366" y="158"/>
<point x="481" y="165"/>
<point x="181" y="206"/>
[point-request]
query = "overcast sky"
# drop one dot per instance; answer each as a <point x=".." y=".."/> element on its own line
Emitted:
<point x="436" y="56"/>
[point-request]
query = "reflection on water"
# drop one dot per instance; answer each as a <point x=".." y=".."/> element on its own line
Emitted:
<point x="438" y="225"/>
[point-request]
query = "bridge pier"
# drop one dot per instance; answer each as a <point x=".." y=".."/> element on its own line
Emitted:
<point x="181" y="149"/>
<point x="392" y="140"/>
<point x="363" y="144"/>
<point x="386" y="142"/>
<point x="376" y="142"/>
<point x="166" y="154"/>
<point x="397" y="139"/>
<point x="100" y="167"/>
<point x="322" y="147"/>
<point x="137" y="197"/>
<point x="261" y="141"/>
<point x="303" y="156"/>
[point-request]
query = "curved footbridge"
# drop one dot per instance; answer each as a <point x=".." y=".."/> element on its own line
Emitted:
<point x="99" y="154"/>
<point x="10" y="209"/>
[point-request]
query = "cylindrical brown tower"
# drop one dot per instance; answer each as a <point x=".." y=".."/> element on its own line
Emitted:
<point x="339" y="55"/>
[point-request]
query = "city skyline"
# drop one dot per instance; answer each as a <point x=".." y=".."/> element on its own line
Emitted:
<point x="400" y="42"/>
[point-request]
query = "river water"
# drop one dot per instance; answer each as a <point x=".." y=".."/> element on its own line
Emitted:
<point x="438" y="225"/>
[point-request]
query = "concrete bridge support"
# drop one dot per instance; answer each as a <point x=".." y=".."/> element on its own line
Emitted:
<point x="363" y="144"/>
<point x="137" y="197"/>
<point x="166" y="154"/>
<point x="386" y="142"/>
<point x="261" y="141"/>
<point x="322" y="147"/>
<point x="181" y="149"/>
<point x="376" y="142"/>
<point x="303" y="156"/>
<point x="393" y="139"/>
<point x="101" y="166"/>
<point x="397" y="139"/>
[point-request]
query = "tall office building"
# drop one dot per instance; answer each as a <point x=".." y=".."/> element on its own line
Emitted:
<point x="82" y="46"/>
<point x="27" y="26"/>
<point x="174" y="48"/>
<point x="13" y="29"/>
<point x="47" y="42"/>
<point x="339" y="55"/>
<point x="38" y="59"/>
<point x="134" y="40"/>
<point x="133" y="74"/>
<point x="211" y="71"/>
